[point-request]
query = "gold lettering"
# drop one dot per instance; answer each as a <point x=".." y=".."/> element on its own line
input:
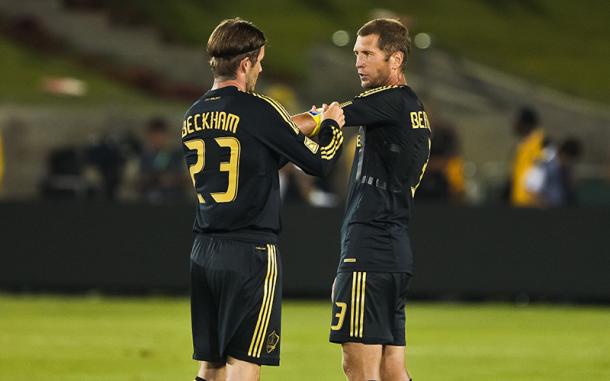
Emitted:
<point x="420" y="118"/>
<point x="232" y="121"/>
<point x="184" y="128"/>
<point x="414" y="121"/>
<point x="195" y="124"/>
<point x="206" y="124"/>
<point x="216" y="125"/>
<point x="222" y="118"/>
<point x="426" y="120"/>
<point x="189" y="124"/>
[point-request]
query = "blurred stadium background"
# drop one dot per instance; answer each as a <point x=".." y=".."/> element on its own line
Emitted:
<point x="96" y="205"/>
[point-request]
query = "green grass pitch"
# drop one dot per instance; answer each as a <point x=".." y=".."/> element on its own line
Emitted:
<point x="148" y="339"/>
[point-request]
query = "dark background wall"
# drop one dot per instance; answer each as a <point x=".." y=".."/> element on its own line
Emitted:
<point x="461" y="253"/>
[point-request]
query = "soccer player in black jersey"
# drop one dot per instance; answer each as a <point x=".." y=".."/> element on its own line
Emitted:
<point x="376" y="262"/>
<point x="234" y="142"/>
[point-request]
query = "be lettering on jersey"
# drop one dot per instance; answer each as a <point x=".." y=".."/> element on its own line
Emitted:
<point x="419" y="119"/>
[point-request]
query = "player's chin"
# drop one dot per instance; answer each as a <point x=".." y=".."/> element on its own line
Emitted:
<point x="365" y="83"/>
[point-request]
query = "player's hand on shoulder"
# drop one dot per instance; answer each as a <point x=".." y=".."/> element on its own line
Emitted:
<point x="334" y="111"/>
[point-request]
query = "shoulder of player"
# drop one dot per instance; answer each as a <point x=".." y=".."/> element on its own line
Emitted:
<point x="382" y="91"/>
<point x="272" y="106"/>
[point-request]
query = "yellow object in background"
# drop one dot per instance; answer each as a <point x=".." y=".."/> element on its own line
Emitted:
<point x="528" y="152"/>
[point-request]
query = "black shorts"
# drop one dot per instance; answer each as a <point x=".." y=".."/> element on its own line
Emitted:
<point x="369" y="308"/>
<point x="236" y="291"/>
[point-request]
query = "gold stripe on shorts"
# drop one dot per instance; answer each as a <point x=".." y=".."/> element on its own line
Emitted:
<point x="265" y="311"/>
<point x="269" y="301"/>
<point x="356" y="328"/>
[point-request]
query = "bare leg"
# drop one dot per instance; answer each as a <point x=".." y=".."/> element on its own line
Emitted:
<point x="238" y="370"/>
<point x="393" y="364"/>
<point x="361" y="362"/>
<point x="211" y="371"/>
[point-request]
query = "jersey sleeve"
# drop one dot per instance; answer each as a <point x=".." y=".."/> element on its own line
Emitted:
<point x="279" y="133"/>
<point x="372" y="107"/>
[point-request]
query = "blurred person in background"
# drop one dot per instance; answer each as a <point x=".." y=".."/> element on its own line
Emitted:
<point x="161" y="175"/>
<point x="527" y="153"/>
<point x="551" y="179"/>
<point x="444" y="178"/>
<point x="106" y="159"/>
<point x="65" y="175"/>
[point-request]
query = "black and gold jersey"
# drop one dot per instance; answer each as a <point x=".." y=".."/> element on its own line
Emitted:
<point x="392" y="151"/>
<point x="234" y="142"/>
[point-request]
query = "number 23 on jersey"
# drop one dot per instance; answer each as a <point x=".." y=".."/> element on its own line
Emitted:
<point x="231" y="166"/>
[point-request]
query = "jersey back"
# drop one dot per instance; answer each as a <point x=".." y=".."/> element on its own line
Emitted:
<point x="234" y="143"/>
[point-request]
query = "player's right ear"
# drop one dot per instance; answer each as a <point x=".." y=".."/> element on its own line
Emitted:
<point x="245" y="65"/>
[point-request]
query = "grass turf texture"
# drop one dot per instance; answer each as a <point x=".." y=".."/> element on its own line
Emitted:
<point x="110" y="339"/>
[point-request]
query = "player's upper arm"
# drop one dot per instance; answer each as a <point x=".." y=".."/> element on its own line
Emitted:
<point x="279" y="133"/>
<point x="381" y="105"/>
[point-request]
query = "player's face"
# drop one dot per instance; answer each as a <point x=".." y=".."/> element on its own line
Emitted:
<point x="371" y="63"/>
<point x="255" y="70"/>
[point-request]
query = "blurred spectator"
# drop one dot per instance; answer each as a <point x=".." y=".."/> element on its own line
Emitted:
<point x="528" y="152"/>
<point x="108" y="157"/>
<point x="444" y="177"/>
<point x="161" y="177"/>
<point x="552" y="179"/>
<point x="64" y="178"/>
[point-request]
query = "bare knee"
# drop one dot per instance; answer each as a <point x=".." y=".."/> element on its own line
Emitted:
<point x="210" y="371"/>
<point x="393" y="364"/>
<point x="361" y="362"/>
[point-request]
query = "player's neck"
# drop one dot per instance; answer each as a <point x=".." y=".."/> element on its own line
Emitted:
<point x="396" y="79"/>
<point x="220" y="83"/>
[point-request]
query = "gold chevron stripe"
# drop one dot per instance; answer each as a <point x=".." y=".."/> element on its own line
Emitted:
<point x="269" y="302"/>
<point x="255" y="336"/>
<point x="376" y="90"/>
<point x="423" y="170"/>
<point x="334" y="151"/>
<point x="332" y="142"/>
<point x="362" y="304"/>
<point x="280" y="109"/>
<point x="337" y="134"/>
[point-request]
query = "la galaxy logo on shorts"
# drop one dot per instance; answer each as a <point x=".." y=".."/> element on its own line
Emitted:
<point x="272" y="340"/>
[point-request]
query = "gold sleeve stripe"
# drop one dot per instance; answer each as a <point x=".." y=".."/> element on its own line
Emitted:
<point x="351" y="315"/>
<point x="280" y="109"/>
<point x="423" y="170"/>
<point x="330" y="145"/>
<point x="356" y="326"/>
<point x="363" y="297"/>
<point x="376" y="90"/>
<point x="269" y="302"/>
<point x="345" y="104"/>
<point x="331" y="154"/>
<point x="329" y="151"/>
<point x="258" y="331"/>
